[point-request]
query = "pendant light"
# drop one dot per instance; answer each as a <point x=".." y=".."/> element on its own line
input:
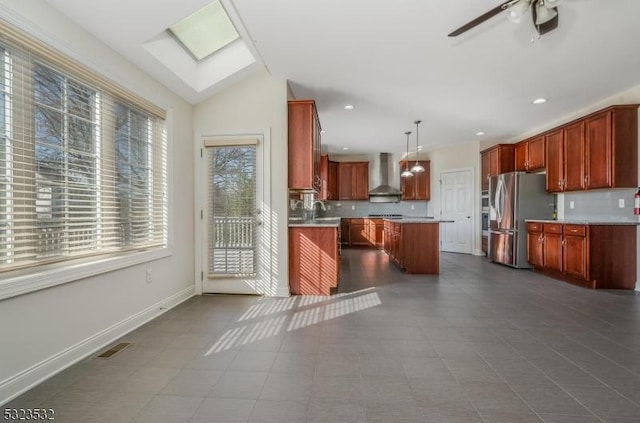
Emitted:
<point x="417" y="168"/>
<point x="407" y="173"/>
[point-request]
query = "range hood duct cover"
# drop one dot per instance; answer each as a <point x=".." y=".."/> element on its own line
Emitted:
<point x="384" y="193"/>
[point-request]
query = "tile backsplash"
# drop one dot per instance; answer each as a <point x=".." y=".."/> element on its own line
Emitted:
<point x="345" y="208"/>
<point x="600" y="204"/>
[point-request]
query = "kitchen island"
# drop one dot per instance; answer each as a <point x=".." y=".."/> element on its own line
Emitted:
<point x="413" y="244"/>
<point x="314" y="256"/>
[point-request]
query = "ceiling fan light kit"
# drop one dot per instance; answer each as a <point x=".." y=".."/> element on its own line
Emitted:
<point x="544" y="15"/>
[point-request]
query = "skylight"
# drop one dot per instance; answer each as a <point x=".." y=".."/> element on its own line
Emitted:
<point x="206" y="31"/>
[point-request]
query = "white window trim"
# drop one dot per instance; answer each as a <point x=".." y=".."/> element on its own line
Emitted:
<point x="55" y="274"/>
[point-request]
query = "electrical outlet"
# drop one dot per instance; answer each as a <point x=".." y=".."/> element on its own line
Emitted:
<point x="149" y="278"/>
<point x="413" y="207"/>
<point x="621" y="203"/>
<point x="353" y="207"/>
<point x="572" y="204"/>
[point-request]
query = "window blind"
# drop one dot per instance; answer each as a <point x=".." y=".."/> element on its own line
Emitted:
<point x="82" y="168"/>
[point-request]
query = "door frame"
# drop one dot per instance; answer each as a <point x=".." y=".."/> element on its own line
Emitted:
<point x="265" y="262"/>
<point x="475" y="209"/>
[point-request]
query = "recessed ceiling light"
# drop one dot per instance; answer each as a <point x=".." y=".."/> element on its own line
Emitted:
<point x="349" y="107"/>
<point x="345" y="148"/>
<point x="479" y="133"/>
<point x="539" y="100"/>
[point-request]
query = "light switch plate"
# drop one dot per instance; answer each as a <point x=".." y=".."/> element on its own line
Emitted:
<point x="621" y="203"/>
<point x="572" y="204"/>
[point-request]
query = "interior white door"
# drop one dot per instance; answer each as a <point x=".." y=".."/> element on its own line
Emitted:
<point x="235" y="254"/>
<point x="456" y="197"/>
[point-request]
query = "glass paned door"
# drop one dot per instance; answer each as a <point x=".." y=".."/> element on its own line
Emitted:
<point x="233" y="218"/>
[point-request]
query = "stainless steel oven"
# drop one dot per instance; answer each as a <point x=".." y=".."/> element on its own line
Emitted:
<point x="485" y="213"/>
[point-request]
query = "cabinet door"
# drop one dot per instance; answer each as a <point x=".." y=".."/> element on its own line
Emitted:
<point x="552" y="251"/>
<point x="484" y="172"/>
<point x="574" y="154"/>
<point x="536" y="156"/>
<point x="324" y="178"/>
<point x="332" y="181"/>
<point x="535" y="253"/>
<point x="575" y="250"/>
<point x="345" y="172"/>
<point x="423" y="182"/>
<point x="554" y="157"/>
<point x="345" y="232"/>
<point x="521" y="155"/>
<point x="598" y="151"/>
<point x="575" y="256"/>
<point x="358" y="230"/>
<point x="360" y="181"/>
<point x="494" y="162"/>
<point x="407" y="185"/>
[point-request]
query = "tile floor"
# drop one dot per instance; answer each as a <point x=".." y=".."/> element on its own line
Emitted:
<point x="479" y="343"/>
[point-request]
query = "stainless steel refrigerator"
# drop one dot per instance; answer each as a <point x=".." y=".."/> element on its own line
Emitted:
<point x="514" y="197"/>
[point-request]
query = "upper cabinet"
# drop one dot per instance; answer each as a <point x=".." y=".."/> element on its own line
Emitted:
<point x="418" y="186"/>
<point x="612" y="148"/>
<point x="496" y="160"/>
<point x="529" y="154"/>
<point x="353" y="180"/>
<point x="328" y="179"/>
<point x="304" y="146"/>
<point x="598" y="151"/>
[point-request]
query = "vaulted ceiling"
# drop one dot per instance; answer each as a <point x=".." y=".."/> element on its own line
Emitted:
<point x="393" y="61"/>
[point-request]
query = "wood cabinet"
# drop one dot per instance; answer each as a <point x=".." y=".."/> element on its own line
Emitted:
<point x="593" y="256"/>
<point x="353" y="180"/>
<point x="304" y="146"/>
<point x="328" y="179"/>
<point x="574" y="251"/>
<point x="418" y="186"/>
<point x="611" y="139"/>
<point x="529" y="154"/>
<point x="535" y="253"/>
<point x="313" y="260"/>
<point x="413" y="247"/>
<point x="362" y="232"/>
<point x="496" y="160"/>
<point x="597" y="151"/>
<point x="552" y="246"/>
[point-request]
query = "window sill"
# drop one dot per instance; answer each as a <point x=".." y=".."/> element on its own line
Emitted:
<point x="61" y="273"/>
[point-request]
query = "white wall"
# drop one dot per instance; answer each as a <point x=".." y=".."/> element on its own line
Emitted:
<point x="45" y="331"/>
<point x="452" y="158"/>
<point x="256" y="104"/>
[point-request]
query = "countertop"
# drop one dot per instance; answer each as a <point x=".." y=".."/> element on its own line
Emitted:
<point x="323" y="222"/>
<point x="585" y="222"/>
<point x="418" y="220"/>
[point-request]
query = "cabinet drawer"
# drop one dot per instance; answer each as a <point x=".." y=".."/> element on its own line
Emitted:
<point x="577" y="230"/>
<point x="534" y="227"/>
<point x="552" y="228"/>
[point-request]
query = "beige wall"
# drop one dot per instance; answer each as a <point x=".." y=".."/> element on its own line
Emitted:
<point x="258" y="103"/>
<point x="47" y="330"/>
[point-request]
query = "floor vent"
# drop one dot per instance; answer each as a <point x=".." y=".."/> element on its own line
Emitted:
<point x="115" y="349"/>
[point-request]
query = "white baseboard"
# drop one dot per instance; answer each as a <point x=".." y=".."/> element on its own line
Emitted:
<point x="478" y="253"/>
<point x="283" y="292"/>
<point x="16" y="385"/>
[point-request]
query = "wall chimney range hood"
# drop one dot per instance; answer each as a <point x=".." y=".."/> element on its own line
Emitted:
<point x="384" y="193"/>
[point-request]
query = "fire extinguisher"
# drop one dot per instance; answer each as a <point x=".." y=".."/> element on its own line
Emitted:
<point x="636" y="203"/>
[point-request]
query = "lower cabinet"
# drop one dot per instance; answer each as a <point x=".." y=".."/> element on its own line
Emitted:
<point x="362" y="232"/>
<point x="313" y="260"/>
<point x="594" y="256"/>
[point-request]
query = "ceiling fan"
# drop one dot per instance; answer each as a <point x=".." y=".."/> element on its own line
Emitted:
<point x="543" y="12"/>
